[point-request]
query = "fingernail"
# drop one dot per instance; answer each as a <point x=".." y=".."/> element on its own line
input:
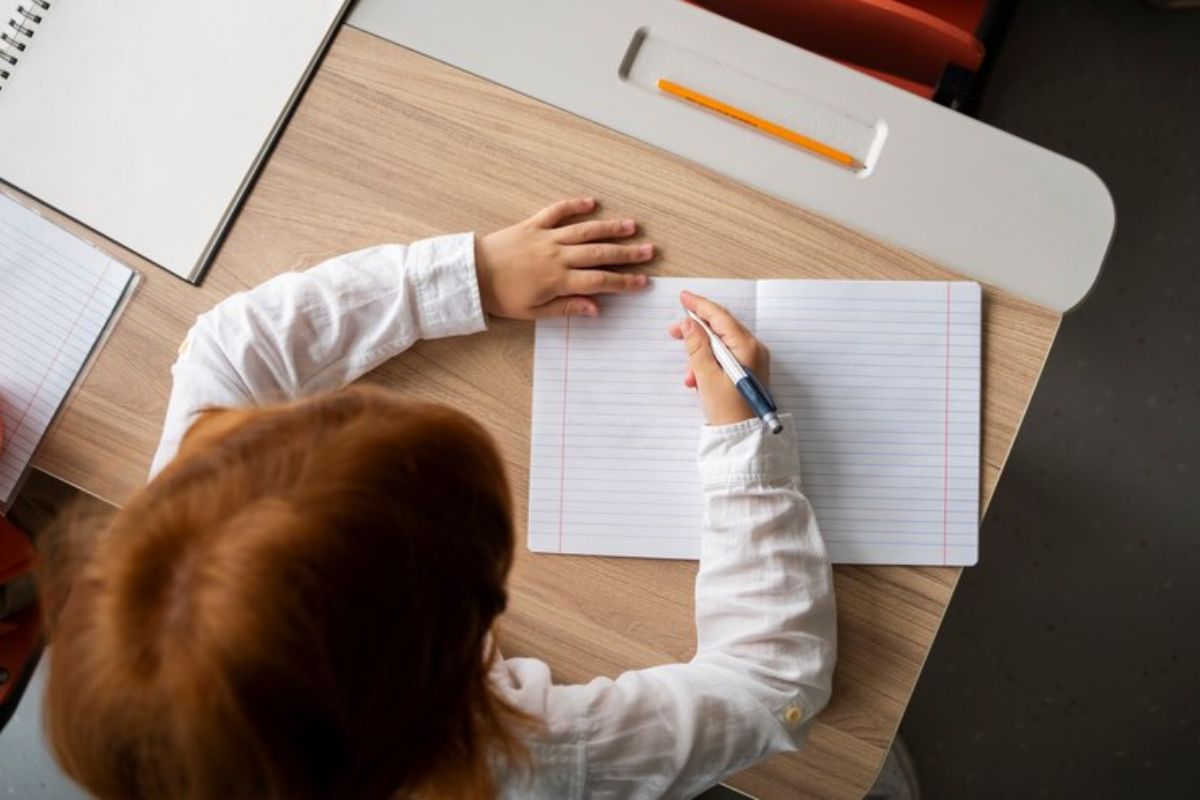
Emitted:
<point x="686" y="326"/>
<point x="627" y="225"/>
<point x="589" y="311"/>
<point x="640" y="280"/>
<point x="645" y="250"/>
<point x="589" y="201"/>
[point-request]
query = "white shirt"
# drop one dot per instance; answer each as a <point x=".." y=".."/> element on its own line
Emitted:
<point x="765" y="618"/>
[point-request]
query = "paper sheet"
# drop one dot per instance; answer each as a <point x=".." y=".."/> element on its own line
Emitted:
<point x="882" y="380"/>
<point x="57" y="294"/>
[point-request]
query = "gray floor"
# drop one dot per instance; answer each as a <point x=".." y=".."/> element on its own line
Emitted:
<point x="1068" y="663"/>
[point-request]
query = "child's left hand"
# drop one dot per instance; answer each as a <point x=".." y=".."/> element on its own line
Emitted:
<point x="537" y="269"/>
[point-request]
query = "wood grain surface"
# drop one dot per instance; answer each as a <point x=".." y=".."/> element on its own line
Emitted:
<point x="389" y="146"/>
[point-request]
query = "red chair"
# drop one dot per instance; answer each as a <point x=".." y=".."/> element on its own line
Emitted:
<point x="920" y="46"/>
<point x="20" y="617"/>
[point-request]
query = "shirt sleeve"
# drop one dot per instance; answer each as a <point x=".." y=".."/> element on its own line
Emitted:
<point x="304" y="332"/>
<point x="766" y="637"/>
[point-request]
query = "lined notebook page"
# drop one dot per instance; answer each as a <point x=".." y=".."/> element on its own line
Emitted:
<point x="613" y="461"/>
<point x="882" y="379"/>
<point x="57" y="294"/>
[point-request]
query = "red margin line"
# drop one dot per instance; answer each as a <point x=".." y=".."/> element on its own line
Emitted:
<point x="562" y="457"/>
<point x="946" y="439"/>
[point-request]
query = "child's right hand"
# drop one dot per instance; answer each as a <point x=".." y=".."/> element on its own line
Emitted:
<point x="723" y="404"/>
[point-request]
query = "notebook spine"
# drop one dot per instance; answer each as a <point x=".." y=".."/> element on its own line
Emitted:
<point x="17" y="35"/>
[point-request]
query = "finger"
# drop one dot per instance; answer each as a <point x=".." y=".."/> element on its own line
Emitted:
<point x="597" y="281"/>
<point x="676" y="332"/>
<point x="600" y="255"/>
<point x="555" y="213"/>
<point x="701" y="361"/>
<point x="569" y="306"/>
<point x="595" y="229"/>
<point x="723" y="324"/>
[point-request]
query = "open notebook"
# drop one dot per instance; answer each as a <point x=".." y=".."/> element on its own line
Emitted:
<point x="147" y="121"/>
<point x="882" y="379"/>
<point x="57" y="296"/>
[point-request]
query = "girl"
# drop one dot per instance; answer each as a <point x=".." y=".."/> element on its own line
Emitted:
<point x="298" y="605"/>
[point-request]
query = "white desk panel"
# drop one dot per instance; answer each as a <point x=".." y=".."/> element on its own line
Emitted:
<point x="968" y="196"/>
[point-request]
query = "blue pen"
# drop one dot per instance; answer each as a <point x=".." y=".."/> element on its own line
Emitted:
<point x="747" y="382"/>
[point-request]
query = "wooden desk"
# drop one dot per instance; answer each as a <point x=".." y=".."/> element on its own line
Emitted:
<point x="391" y="146"/>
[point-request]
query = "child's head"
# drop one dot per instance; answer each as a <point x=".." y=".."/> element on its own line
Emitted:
<point x="297" y="607"/>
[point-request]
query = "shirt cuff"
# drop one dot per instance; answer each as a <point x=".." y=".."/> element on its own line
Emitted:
<point x="746" y="452"/>
<point x="447" y="289"/>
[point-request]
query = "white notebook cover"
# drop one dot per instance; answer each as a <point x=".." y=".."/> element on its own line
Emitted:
<point x="882" y="381"/>
<point x="148" y="121"/>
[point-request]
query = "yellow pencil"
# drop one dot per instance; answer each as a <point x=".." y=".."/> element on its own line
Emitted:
<point x="766" y="126"/>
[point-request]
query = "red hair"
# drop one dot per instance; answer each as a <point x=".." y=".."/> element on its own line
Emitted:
<point x="297" y="607"/>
